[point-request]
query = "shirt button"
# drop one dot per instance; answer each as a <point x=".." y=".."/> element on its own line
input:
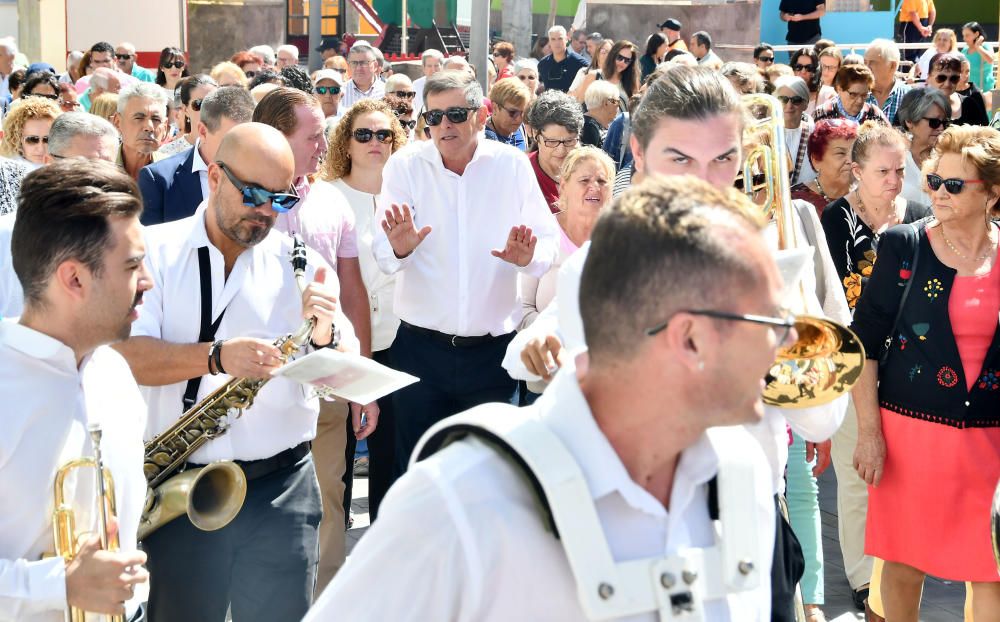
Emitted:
<point x="966" y="403"/>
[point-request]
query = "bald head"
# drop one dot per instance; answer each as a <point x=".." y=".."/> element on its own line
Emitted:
<point x="258" y="146"/>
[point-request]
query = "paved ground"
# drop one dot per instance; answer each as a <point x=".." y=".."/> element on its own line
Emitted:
<point x="943" y="600"/>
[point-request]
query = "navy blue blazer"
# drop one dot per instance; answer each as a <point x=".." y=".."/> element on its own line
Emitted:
<point x="170" y="190"/>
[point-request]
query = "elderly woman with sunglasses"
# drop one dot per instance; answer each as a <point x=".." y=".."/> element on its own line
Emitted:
<point x="26" y="130"/>
<point x="923" y="116"/>
<point x="945" y="73"/>
<point x="506" y="124"/>
<point x="193" y="90"/>
<point x="557" y="122"/>
<point x="793" y="93"/>
<point x="928" y="398"/>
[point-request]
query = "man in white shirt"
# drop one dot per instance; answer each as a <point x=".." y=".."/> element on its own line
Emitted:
<point x="447" y="202"/>
<point x="78" y="252"/>
<point x="325" y="221"/>
<point x="262" y="564"/>
<point x="431" y="62"/>
<point x="464" y="527"/>
<point x="364" y="82"/>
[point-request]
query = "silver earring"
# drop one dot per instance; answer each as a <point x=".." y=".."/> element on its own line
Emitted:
<point x="701" y="365"/>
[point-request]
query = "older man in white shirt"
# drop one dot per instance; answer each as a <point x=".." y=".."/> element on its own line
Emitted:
<point x="465" y="525"/>
<point x="447" y="202"/>
<point x="78" y="252"/>
<point x="262" y="565"/>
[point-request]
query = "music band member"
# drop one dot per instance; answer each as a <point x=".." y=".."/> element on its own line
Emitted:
<point x="262" y="565"/>
<point x="77" y="249"/>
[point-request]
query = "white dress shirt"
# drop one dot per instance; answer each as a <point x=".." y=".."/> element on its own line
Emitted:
<point x="261" y="300"/>
<point x="352" y="94"/>
<point x="381" y="287"/>
<point x="11" y="293"/>
<point x="199" y="166"/>
<point x="49" y="403"/>
<point x="476" y="546"/>
<point x="418" y="99"/>
<point x="450" y="282"/>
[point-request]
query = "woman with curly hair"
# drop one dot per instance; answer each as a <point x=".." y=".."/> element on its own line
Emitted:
<point x="365" y="137"/>
<point x="26" y="129"/>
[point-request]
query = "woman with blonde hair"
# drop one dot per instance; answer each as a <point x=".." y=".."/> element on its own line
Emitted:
<point x="26" y="130"/>
<point x="944" y="41"/>
<point x="360" y="145"/>
<point x="229" y="74"/>
<point x="105" y="106"/>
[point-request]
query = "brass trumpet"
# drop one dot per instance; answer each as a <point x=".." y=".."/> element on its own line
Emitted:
<point x="827" y="359"/>
<point x="67" y="540"/>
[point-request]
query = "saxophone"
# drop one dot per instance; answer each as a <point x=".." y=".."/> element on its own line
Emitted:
<point x="212" y="495"/>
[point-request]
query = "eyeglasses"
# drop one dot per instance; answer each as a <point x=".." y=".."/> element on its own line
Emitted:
<point x="357" y="64"/>
<point x="941" y="78"/>
<point x="553" y="143"/>
<point x="952" y="185"/>
<point x="455" y="114"/>
<point x="250" y="74"/>
<point x="857" y="94"/>
<point x="404" y="94"/>
<point x="936" y="123"/>
<point x="623" y="59"/>
<point x="408" y="124"/>
<point x="782" y="325"/>
<point x="364" y="135"/>
<point x="513" y="113"/>
<point x="123" y="56"/>
<point x="766" y="59"/>
<point x="810" y="68"/>
<point x="796" y="100"/>
<point x="328" y="90"/>
<point x="255" y="196"/>
<point x="825" y="67"/>
<point x="34" y="140"/>
<point x="196" y="104"/>
<point x="45" y="95"/>
<point x="68" y="103"/>
<point x="177" y="64"/>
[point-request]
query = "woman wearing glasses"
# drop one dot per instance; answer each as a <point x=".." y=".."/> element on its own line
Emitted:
<point x="927" y="406"/>
<point x="193" y="89"/>
<point x="805" y="65"/>
<point x="503" y="58"/>
<point x="945" y="73"/>
<point x="506" y="124"/>
<point x="853" y="84"/>
<point x="365" y="137"/>
<point x="620" y="68"/>
<point x="923" y="115"/>
<point x="171" y="68"/>
<point x="793" y="93"/>
<point x="526" y="70"/>
<point x="42" y="84"/>
<point x="557" y="122"/>
<point x="26" y="130"/>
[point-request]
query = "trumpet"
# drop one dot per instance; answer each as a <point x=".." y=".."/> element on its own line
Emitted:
<point x="827" y="359"/>
<point x="64" y="517"/>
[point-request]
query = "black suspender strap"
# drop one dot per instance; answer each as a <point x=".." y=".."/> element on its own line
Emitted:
<point x="208" y="327"/>
<point x="713" y="498"/>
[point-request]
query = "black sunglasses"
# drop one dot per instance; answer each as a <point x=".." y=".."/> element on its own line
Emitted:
<point x="177" y="64"/>
<point x="810" y="68"/>
<point x="404" y="94"/>
<point x="952" y="185"/>
<point x="936" y="123"/>
<point x="364" y="135"/>
<point x="327" y="90"/>
<point x="786" y="323"/>
<point x="796" y="100"/>
<point x="45" y="95"/>
<point x="623" y="59"/>
<point x="255" y="196"/>
<point x="456" y="114"/>
<point x="123" y="56"/>
<point x="196" y="104"/>
<point x="766" y="59"/>
<point x="408" y="124"/>
<point x="250" y="74"/>
<point x="942" y="78"/>
<point x="34" y="140"/>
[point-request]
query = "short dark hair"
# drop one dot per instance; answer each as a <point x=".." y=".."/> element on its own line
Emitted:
<point x="760" y="49"/>
<point x="62" y="214"/>
<point x="703" y="38"/>
<point x="232" y="102"/>
<point x="296" y="78"/>
<point x="103" y="47"/>
<point x="277" y="108"/>
<point x="268" y="76"/>
<point x="665" y="245"/>
<point x="166" y="56"/>
<point x="40" y="77"/>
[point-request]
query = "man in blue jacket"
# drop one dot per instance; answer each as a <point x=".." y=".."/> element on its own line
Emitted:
<point x="174" y="187"/>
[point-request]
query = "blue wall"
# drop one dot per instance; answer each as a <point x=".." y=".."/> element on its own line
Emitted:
<point x="840" y="27"/>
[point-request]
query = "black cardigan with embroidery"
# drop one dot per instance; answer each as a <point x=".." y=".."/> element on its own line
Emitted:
<point x="923" y="376"/>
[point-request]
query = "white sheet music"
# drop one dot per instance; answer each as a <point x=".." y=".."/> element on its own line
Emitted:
<point x="345" y="375"/>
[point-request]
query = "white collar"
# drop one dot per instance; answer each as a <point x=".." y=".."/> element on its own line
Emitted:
<point x="198" y="235"/>
<point x="198" y="164"/>
<point x="38" y="345"/>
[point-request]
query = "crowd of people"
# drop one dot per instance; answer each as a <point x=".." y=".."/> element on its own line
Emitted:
<point x="569" y="240"/>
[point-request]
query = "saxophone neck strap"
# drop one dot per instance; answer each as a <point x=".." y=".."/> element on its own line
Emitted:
<point x="208" y="328"/>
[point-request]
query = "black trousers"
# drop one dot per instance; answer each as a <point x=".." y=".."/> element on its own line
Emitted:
<point x="908" y="33"/>
<point x="787" y="568"/>
<point x="263" y="564"/>
<point x="452" y="379"/>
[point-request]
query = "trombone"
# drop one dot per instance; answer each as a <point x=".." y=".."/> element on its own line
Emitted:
<point x="826" y="360"/>
<point x="67" y="539"/>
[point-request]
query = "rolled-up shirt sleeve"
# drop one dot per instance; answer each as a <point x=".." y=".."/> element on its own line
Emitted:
<point x="31" y="587"/>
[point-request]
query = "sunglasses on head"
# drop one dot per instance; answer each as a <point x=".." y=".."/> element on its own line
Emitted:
<point x="255" y="196"/>
<point x="810" y="68"/>
<point x="936" y="123"/>
<point x="328" y="90"/>
<point x="623" y="59"/>
<point x="952" y="185"/>
<point x="409" y="125"/>
<point x="123" y="56"/>
<point x="177" y="64"/>
<point x="404" y="94"/>
<point x="364" y="135"/>
<point x="766" y="59"/>
<point x="45" y="95"/>
<point x="941" y="78"/>
<point x="455" y="114"/>
<point x="796" y="100"/>
<point x="34" y="140"/>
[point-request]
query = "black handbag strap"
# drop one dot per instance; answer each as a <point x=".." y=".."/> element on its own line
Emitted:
<point x="208" y="327"/>
<point x="906" y="292"/>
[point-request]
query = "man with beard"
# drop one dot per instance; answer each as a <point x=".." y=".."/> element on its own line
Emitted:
<point x="78" y="252"/>
<point x="262" y="565"/>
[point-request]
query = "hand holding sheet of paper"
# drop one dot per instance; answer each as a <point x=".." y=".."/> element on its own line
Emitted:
<point x="345" y="375"/>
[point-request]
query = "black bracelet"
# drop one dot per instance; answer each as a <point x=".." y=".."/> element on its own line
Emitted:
<point x="211" y="359"/>
<point x="334" y="340"/>
<point x="217" y="356"/>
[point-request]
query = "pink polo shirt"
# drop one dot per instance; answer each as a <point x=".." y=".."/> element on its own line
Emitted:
<point x="324" y="219"/>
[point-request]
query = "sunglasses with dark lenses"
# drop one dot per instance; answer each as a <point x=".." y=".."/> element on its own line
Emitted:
<point x="810" y="68"/>
<point x="796" y="100"/>
<point x="943" y="77"/>
<point x="196" y="104"/>
<point x="455" y="114"/>
<point x="123" y="56"/>
<point x="408" y="124"/>
<point x="623" y="59"/>
<point x="404" y="94"/>
<point x="364" y="135"/>
<point x="255" y="196"/>
<point x="766" y="59"/>
<point x="34" y="140"/>
<point x="45" y="95"/>
<point x="936" y="123"/>
<point x="327" y="90"/>
<point x="952" y="185"/>
<point x="250" y="74"/>
<point x="177" y="64"/>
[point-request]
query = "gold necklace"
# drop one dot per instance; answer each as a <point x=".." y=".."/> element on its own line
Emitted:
<point x="982" y="257"/>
